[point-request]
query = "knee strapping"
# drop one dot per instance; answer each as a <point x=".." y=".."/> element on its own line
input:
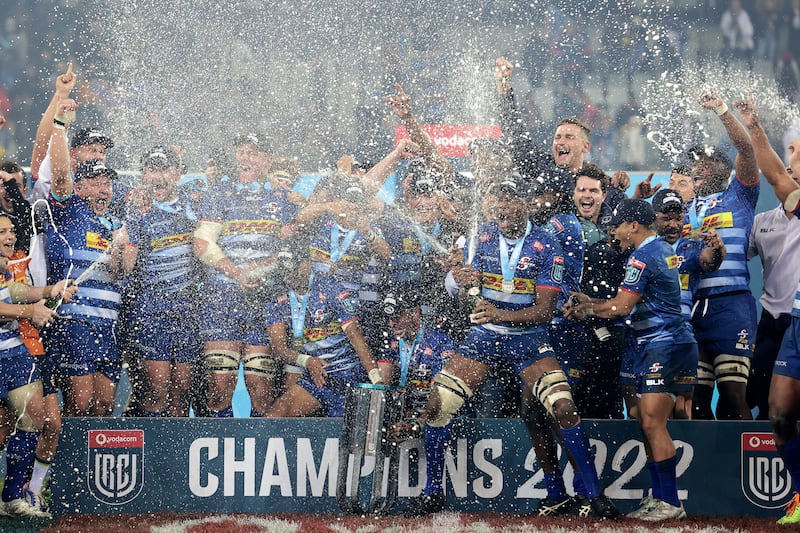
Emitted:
<point x="544" y="389"/>
<point x="731" y="368"/>
<point x="18" y="400"/>
<point x="453" y="392"/>
<point x="705" y="374"/>
<point x="261" y="364"/>
<point x="222" y="361"/>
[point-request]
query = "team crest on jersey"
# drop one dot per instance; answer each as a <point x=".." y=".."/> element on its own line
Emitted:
<point x="115" y="465"/>
<point x="558" y="227"/>
<point x="557" y="272"/>
<point x="633" y="272"/>
<point x="319" y="315"/>
<point x="765" y="481"/>
<point x="742" y="343"/>
<point x="524" y="263"/>
<point x="347" y="301"/>
<point x="655" y="368"/>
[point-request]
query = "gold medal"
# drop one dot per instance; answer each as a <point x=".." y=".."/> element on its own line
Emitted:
<point x="508" y="286"/>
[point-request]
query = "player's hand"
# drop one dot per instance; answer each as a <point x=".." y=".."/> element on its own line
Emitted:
<point x="65" y="111"/>
<point x="401" y="103"/>
<point x="65" y="289"/>
<point x="43" y="316"/>
<point x="645" y="189"/>
<point x="466" y="276"/>
<point x="748" y="110"/>
<point x="503" y="68"/>
<point x="621" y="180"/>
<point x="316" y="368"/>
<point x="66" y="82"/>
<point x="712" y="239"/>
<point x="576" y="305"/>
<point x="407" y="149"/>
<point x="485" y="313"/>
<point x="710" y="100"/>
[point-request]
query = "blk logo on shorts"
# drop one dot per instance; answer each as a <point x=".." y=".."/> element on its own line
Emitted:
<point x="115" y="465"/>
<point x="765" y="481"/>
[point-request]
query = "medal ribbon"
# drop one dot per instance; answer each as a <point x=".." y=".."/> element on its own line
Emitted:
<point x="696" y="217"/>
<point x="298" y="307"/>
<point x="339" y="249"/>
<point x="407" y="352"/>
<point x="509" y="264"/>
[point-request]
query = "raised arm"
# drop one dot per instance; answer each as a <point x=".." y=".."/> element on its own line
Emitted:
<point x="746" y="165"/>
<point x="523" y="148"/>
<point x="62" y="185"/>
<point x="769" y="161"/>
<point x="401" y="104"/>
<point x="64" y="84"/>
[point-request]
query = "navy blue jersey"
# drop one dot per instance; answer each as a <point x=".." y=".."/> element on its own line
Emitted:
<point x="731" y="213"/>
<point x="687" y="252"/>
<point x="329" y="309"/>
<point x="252" y="219"/>
<point x="567" y="230"/>
<point x="652" y="274"/>
<point x="428" y="357"/>
<point x="166" y="262"/>
<point x="77" y="239"/>
<point x="540" y="265"/>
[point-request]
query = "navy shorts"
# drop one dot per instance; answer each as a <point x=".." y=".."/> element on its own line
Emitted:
<point x="667" y="367"/>
<point x="168" y="336"/>
<point x="726" y="324"/>
<point x="788" y="361"/>
<point x="332" y="395"/>
<point x="498" y="350"/>
<point x="627" y="371"/>
<point x="82" y="349"/>
<point x="17" y="369"/>
<point x="227" y="314"/>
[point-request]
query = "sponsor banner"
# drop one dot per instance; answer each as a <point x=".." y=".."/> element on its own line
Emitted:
<point x="113" y="465"/>
<point x="452" y="140"/>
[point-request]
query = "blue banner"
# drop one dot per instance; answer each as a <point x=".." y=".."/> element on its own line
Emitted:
<point x="114" y="465"/>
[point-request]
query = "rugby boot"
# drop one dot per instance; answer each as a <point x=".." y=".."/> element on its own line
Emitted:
<point x="792" y="515"/>
<point x="661" y="510"/>
<point x="425" y="504"/>
<point x="552" y="507"/>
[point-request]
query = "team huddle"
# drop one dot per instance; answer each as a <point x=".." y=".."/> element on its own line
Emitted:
<point x="533" y="272"/>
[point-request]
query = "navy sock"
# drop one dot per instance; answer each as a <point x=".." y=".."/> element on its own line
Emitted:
<point x="654" y="482"/>
<point x="578" y="485"/>
<point x="790" y="453"/>
<point x="578" y="446"/>
<point x="255" y="414"/>
<point x="151" y="414"/>
<point x="436" y="439"/>
<point x="668" y="480"/>
<point x="223" y="413"/>
<point x="20" y="454"/>
<point x="555" y="485"/>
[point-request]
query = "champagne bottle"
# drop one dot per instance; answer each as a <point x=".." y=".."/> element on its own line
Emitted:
<point x="53" y="302"/>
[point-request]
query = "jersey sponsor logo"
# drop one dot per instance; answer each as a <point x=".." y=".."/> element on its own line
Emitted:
<point x="169" y="241"/>
<point x="765" y="481"/>
<point x="97" y="241"/>
<point x="558" y="227"/>
<point x="318" y="315"/>
<point x="633" y="271"/>
<point x="240" y="227"/>
<point x="654" y="382"/>
<point x="557" y="272"/>
<point x="538" y="246"/>
<point x="322" y="332"/>
<point x="674" y="261"/>
<point x="521" y="285"/>
<point x="684" y="281"/>
<point x="411" y="246"/>
<point x="524" y="263"/>
<point x="715" y="221"/>
<point x="742" y="343"/>
<point x="115" y="465"/>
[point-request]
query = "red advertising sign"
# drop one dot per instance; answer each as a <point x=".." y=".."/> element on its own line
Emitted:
<point x="452" y="140"/>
